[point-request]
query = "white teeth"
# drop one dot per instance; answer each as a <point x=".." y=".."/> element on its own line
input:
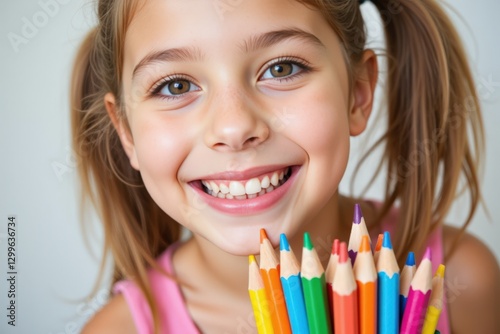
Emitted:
<point x="224" y="189"/>
<point x="265" y="182"/>
<point x="236" y="188"/>
<point x="253" y="186"/>
<point x="214" y="186"/>
<point x="275" y="179"/>
<point x="251" y="189"/>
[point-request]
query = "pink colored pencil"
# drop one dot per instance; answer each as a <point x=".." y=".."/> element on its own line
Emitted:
<point x="418" y="297"/>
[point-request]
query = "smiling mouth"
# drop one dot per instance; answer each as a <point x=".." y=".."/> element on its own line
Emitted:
<point x="252" y="188"/>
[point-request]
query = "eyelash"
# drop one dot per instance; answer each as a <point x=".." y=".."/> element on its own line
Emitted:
<point x="157" y="87"/>
<point x="304" y="66"/>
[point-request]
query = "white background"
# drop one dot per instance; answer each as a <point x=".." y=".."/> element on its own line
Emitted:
<point x="37" y="169"/>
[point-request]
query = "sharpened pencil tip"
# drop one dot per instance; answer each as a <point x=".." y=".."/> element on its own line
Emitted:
<point x="343" y="255"/>
<point x="440" y="271"/>
<point x="307" y="241"/>
<point x="386" y="242"/>
<point x="263" y="235"/>
<point x="365" y="244"/>
<point x="335" y="247"/>
<point x="357" y="214"/>
<point x="251" y="259"/>
<point x="428" y="254"/>
<point x="378" y="245"/>
<point x="410" y="259"/>
<point x="284" y="243"/>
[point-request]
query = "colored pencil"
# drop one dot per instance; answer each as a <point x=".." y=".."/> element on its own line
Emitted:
<point x="345" y="296"/>
<point x="388" y="288"/>
<point x="358" y="230"/>
<point x="405" y="281"/>
<point x="418" y="297"/>
<point x="366" y="280"/>
<point x="435" y="302"/>
<point x="330" y="274"/>
<point x="270" y="272"/>
<point x="292" y="288"/>
<point x="258" y="298"/>
<point x="314" y="287"/>
<point x="378" y="246"/>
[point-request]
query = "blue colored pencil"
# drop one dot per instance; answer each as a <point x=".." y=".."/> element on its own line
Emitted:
<point x="388" y="289"/>
<point x="405" y="282"/>
<point x="292" y="288"/>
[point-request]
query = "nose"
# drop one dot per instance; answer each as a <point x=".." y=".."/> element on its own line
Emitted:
<point x="235" y="123"/>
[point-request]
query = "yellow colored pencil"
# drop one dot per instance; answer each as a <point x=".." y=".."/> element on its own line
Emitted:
<point x="258" y="298"/>
<point x="435" y="302"/>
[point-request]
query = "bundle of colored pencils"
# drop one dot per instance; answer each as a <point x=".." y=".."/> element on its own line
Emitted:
<point x="361" y="291"/>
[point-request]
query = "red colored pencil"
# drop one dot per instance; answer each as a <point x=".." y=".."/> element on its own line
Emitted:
<point x="270" y="272"/>
<point x="330" y="274"/>
<point x="345" y="296"/>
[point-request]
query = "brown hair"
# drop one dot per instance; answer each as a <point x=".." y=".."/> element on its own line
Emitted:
<point x="432" y="108"/>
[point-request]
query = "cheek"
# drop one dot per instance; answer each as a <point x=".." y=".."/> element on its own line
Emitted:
<point x="160" y="149"/>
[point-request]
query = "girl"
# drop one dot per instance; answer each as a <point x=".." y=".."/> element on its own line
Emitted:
<point x="226" y="117"/>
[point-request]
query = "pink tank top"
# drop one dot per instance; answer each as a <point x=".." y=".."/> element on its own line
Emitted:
<point x="173" y="313"/>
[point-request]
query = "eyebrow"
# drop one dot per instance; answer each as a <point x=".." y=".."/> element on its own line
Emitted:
<point x="254" y="43"/>
<point x="277" y="36"/>
<point x="175" y="54"/>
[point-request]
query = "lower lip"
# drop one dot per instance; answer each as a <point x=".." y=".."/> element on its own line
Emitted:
<point x="249" y="206"/>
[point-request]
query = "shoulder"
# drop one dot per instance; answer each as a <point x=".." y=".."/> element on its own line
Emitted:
<point x="472" y="283"/>
<point x="114" y="317"/>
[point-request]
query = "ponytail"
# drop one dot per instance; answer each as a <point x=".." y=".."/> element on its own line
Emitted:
<point x="434" y="138"/>
<point x="136" y="230"/>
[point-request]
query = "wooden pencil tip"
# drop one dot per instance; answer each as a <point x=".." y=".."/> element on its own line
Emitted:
<point x="343" y="255"/>
<point x="440" y="271"/>
<point x="357" y="214"/>
<point x="251" y="259"/>
<point x="263" y="235"/>
<point x="365" y="244"/>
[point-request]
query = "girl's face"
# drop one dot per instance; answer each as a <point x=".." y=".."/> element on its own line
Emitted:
<point x="239" y="115"/>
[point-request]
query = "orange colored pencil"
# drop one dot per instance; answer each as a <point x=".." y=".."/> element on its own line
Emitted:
<point x="366" y="279"/>
<point x="378" y="246"/>
<point x="345" y="296"/>
<point x="270" y="272"/>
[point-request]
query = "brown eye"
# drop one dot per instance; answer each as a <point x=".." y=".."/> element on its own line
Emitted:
<point x="178" y="87"/>
<point x="281" y="70"/>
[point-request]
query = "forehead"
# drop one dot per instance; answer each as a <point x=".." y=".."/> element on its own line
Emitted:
<point x="220" y="24"/>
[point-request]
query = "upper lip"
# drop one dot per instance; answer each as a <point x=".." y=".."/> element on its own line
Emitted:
<point x="245" y="174"/>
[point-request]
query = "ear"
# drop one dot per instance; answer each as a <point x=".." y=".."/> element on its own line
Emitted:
<point x="122" y="130"/>
<point x="363" y="93"/>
